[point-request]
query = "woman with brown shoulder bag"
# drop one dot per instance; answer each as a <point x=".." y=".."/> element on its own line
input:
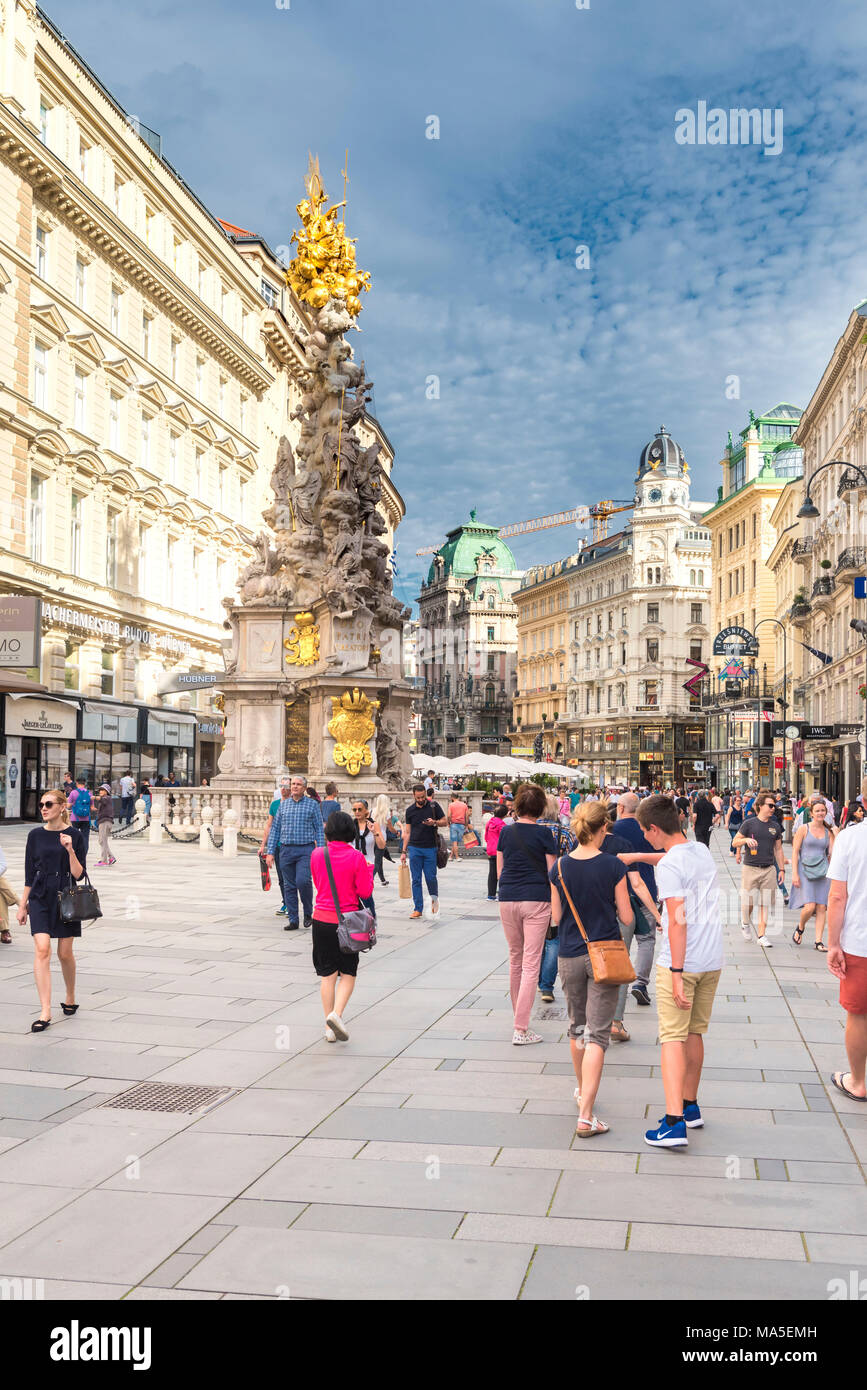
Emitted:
<point x="594" y="961"/>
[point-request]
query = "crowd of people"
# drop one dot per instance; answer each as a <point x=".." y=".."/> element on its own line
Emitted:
<point x="571" y="872"/>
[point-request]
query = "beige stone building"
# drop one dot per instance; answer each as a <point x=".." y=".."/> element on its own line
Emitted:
<point x="543" y="658"/>
<point x="756" y="470"/>
<point x="832" y="552"/>
<point x="149" y="364"/>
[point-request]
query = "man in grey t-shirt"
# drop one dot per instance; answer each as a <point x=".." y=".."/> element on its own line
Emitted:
<point x="763" y="865"/>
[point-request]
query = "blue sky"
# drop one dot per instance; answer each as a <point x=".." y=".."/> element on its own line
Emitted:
<point x="556" y="130"/>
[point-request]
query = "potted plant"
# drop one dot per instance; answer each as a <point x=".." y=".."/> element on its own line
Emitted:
<point x="825" y="564"/>
<point x="862" y="691"/>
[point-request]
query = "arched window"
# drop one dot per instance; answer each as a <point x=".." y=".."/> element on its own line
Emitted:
<point x="692" y="577"/>
<point x="701" y="577"/>
<point x="489" y="694"/>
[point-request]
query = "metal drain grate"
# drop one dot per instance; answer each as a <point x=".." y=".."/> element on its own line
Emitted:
<point x="161" y="1095"/>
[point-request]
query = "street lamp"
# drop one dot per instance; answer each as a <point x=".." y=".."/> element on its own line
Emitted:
<point x="808" y="510"/>
<point x="785" y="702"/>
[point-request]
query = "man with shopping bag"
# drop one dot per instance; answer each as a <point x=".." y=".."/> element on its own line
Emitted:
<point x="420" y="837"/>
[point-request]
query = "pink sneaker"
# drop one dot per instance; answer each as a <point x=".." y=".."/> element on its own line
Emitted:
<point x="520" y="1039"/>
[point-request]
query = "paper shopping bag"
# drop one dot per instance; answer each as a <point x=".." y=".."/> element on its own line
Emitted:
<point x="404" y="884"/>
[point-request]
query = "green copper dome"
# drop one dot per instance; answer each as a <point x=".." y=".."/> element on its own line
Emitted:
<point x="470" y="549"/>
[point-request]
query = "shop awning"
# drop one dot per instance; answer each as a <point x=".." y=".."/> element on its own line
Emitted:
<point x="109" y="707"/>
<point x="12" y="681"/>
<point x="171" y="716"/>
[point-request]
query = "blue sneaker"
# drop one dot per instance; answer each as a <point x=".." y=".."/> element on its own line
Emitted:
<point x="692" y="1117"/>
<point x="667" y="1136"/>
<point x="281" y="911"/>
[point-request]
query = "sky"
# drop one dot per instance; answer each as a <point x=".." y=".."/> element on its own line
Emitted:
<point x="513" y="372"/>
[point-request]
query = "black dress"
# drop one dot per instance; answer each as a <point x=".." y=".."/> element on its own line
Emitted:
<point x="46" y="873"/>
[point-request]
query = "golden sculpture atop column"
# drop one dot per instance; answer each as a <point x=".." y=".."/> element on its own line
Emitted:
<point x="324" y="267"/>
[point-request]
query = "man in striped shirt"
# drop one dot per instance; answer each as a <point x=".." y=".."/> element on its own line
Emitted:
<point x="297" y="828"/>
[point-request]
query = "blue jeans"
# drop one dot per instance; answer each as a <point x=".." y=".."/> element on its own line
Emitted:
<point x="548" y="969"/>
<point x="422" y="861"/>
<point x="297" y="882"/>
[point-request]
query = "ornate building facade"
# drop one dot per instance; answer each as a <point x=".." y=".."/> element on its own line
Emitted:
<point x="467" y="644"/>
<point x="756" y="471"/>
<point x="832" y="551"/>
<point x="637" y="605"/>
<point x="150" y="362"/>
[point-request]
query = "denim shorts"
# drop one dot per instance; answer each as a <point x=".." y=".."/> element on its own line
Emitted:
<point x="457" y="831"/>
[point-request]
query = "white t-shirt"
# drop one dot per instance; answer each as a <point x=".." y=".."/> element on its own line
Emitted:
<point x="849" y="866"/>
<point x="688" y="871"/>
<point x="127" y="786"/>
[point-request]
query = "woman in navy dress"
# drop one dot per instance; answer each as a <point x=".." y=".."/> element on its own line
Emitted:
<point x="54" y="854"/>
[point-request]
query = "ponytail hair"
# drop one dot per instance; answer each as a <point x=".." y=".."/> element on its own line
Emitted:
<point x="588" y="818"/>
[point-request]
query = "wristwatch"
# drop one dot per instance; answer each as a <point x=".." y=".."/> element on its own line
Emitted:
<point x="676" y="969"/>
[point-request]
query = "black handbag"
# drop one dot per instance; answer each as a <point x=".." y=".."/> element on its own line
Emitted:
<point x="79" y="902"/>
<point x="442" y="853"/>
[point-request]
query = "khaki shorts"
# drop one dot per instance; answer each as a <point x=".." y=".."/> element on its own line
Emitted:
<point x="699" y="988"/>
<point x="758" y="886"/>
<point x="590" y="1004"/>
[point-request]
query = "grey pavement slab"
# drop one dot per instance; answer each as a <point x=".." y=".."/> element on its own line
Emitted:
<point x="380" y="1221"/>
<point x="328" y="1072"/>
<point x="218" y="1165"/>
<point x="78" y="1153"/>
<point x="744" y="1243"/>
<point x="271" y="1112"/>
<point x="24" y="1205"/>
<point x="246" y="1212"/>
<point x="81" y="1241"/>
<point x="544" y="1230"/>
<point x="679" y="1278"/>
<point x="311" y="1264"/>
<point x="32" y="1102"/>
<point x="448" y="1187"/>
<point x="480" y="1128"/>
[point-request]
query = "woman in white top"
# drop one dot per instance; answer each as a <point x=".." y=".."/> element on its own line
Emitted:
<point x="368" y="837"/>
<point x="383" y="821"/>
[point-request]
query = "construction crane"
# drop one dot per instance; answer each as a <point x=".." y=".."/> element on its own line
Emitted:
<point x="597" y="516"/>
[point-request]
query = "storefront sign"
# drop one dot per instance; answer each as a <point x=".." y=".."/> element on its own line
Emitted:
<point x="62" y="616"/>
<point x="189" y="680"/>
<point x="778" y="763"/>
<point x="522" y="752"/>
<point x="824" y="732"/>
<point x="211" y="728"/>
<point x="849" y="730"/>
<point x="20" y="631"/>
<point x="735" y="641"/>
<point x="40" y="718"/>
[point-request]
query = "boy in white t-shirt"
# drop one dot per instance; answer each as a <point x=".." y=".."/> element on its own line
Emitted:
<point x="688" y="966"/>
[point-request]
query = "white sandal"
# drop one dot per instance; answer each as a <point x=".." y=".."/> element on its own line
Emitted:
<point x="593" y="1126"/>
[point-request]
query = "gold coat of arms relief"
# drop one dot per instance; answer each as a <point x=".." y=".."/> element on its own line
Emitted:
<point x="302" y="644"/>
<point x="352" y="726"/>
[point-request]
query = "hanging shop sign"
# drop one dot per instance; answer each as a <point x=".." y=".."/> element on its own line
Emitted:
<point x="189" y="680"/>
<point x="735" y="641"/>
<point x="20" y="631"/>
<point x="76" y="620"/>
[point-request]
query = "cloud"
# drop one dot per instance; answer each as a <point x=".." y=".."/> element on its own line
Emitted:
<point x="557" y="129"/>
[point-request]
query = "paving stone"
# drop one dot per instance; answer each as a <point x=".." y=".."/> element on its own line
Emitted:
<point x="311" y="1264"/>
<point x="32" y="1102"/>
<point x="849" y="1250"/>
<point x="672" y="1278"/>
<point x="421" y="1153"/>
<point x="381" y="1221"/>
<point x="271" y="1112"/>
<point x="77" y="1150"/>
<point x="544" y="1230"/>
<point x="801" y="1171"/>
<point x="485" y="1129"/>
<point x="204" y="1240"/>
<point x="772" y="1169"/>
<point x="170" y="1271"/>
<point x="244" y="1212"/>
<point x="716" y="1240"/>
<point x="204" y="1164"/>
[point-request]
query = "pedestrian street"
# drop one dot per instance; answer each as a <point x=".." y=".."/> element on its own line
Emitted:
<point x="426" y="1157"/>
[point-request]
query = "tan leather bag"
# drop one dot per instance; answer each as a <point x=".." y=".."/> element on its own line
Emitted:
<point x="609" y="960"/>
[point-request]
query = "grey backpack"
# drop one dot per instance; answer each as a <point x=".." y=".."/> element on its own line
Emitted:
<point x="356" y="931"/>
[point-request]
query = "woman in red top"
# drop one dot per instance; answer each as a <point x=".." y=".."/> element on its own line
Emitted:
<point x="353" y="878"/>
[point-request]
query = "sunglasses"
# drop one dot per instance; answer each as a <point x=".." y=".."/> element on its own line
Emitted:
<point x="44" y="804"/>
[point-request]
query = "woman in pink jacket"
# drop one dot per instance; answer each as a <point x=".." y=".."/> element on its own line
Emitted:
<point x="353" y="878"/>
<point x="492" y="839"/>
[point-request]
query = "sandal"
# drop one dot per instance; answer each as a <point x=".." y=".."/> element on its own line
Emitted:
<point x="6" y="936"/>
<point x="69" y="1009"/>
<point x="39" y="1025"/>
<point x="797" y="935"/>
<point x="820" y="946"/>
<point x="837" y="1080"/>
<point x="592" y="1127"/>
<point x="619" y="1033"/>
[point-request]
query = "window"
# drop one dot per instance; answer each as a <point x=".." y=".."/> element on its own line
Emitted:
<point x="695" y="611"/>
<point x="243" y="413"/>
<point x="651" y="697"/>
<point x="144" y="536"/>
<point x="242" y="502"/>
<point x="173" y="573"/>
<point x="701" y="579"/>
<point x="200" y="280"/>
<point x="653" y="649"/>
<point x="72" y="669"/>
<point x="491" y="632"/>
<point x="40" y="376"/>
<point x="150" y="226"/>
<point x="653" y="612"/>
<point x="754" y="574"/>
<point x="221" y="396"/>
<point x="731" y="540"/>
<point x="111" y="548"/>
<point x="75" y="503"/>
<point x="146" y="335"/>
<point x="755" y="518"/>
<point x="107" y="673"/>
<point x="623" y="654"/>
<point x="114" y="421"/>
<point x="599" y="622"/>
<point x="589" y="627"/>
<point x="41" y="250"/>
<point x="37" y="517"/>
<point x="79" y="398"/>
<point x="145" y="441"/>
<point x="224" y="305"/>
<point x="115" y="309"/>
<point x="623" y="621"/>
<point x="270" y="294"/>
<point x="80" y="282"/>
<point x="199" y="472"/>
<point x="490" y="662"/>
<point x="200" y="377"/>
<point x="221" y="488"/>
<point x="173" y="357"/>
<point x="176" y="255"/>
<point x="695" y="651"/>
<point x="83" y="158"/>
<point x="119" y="186"/>
<point x="43" y="122"/>
<point x="173" y="457"/>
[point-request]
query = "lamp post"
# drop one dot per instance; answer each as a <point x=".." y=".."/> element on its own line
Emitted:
<point x="785" y="701"/>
